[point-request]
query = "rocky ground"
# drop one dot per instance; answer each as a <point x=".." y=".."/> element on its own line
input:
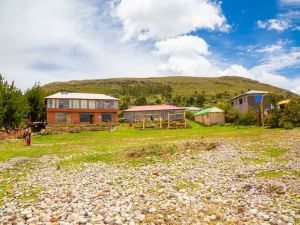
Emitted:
<point x="221" y="185"/>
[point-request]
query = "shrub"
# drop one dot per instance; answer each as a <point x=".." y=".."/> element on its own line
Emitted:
<point x="288" y="126"/>
<point x="189" y="115"/>
<point x="248" y="118"/>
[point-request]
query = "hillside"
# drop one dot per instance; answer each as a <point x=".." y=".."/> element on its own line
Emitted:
<point x="213" y="88"/>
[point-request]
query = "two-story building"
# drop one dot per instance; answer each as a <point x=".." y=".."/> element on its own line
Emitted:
<point x="251" y="99"/>
<point x="81" y="108"/>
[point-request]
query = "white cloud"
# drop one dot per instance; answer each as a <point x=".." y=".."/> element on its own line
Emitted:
<point x="158" y="19"/>
<point x="236" y="70"/>
<point x="267" y="71"/>
<point x="186" y="55"/>
<point x="191" y="46"/>
<point x="290" y="2"/>
<point x="274" y="24"/>
<point x="61" y="40"/>
<point x="270" y="48"/>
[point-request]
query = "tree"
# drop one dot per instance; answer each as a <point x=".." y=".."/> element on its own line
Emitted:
<point x="14" y="107"/>
<point x="291" y="114"/>
<point x="200" y="100"/>
<point x="125" y="102"/>
<point x="36" y="100"/>
<point x="142" y="100"/>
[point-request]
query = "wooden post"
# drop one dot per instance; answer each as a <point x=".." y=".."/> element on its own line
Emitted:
<point x="160" y="122"/>
<point x="168" y="120"/>
<point x="143" y="123"/>
<point x="262" y="111"/>
<point x="184" y="118"/>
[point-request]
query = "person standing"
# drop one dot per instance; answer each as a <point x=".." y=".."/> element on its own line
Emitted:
<point x="27" y="135"/>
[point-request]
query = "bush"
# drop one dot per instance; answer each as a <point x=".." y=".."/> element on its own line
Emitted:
<point x="288" y="126"/>
<point x="248" y="118"/>
<point x="189" y="115"/>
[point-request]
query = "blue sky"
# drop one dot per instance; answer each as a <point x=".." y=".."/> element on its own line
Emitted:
<point x="58" y="40"/>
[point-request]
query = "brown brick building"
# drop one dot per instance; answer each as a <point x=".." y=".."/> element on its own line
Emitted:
<point x="81" y="108"/>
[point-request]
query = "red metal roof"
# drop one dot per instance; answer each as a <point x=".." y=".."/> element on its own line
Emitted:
<point x="153" y="108"/>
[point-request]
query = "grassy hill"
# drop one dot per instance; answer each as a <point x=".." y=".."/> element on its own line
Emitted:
<point x="180" y="85"/>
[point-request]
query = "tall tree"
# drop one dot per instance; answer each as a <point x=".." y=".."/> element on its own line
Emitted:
<point x="14" y="107"/>
<point x="142" y="100"/>
<point x="35" y="98"/>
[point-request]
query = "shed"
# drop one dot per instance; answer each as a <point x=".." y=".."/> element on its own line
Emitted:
<point x="210" y="116"/>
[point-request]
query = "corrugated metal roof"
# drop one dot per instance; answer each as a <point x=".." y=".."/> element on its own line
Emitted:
<point x="153" y="108"/>
<point x="209" y="110"/>
<point x="251" y="92"/>
<point x="282" y="102"/>
<point x="192" y="108"/>
<point x="62" y="95"/>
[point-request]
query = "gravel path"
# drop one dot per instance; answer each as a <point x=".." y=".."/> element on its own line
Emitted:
<point x="208" y="187"/>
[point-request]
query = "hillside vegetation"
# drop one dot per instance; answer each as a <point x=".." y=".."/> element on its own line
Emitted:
<point x="162" y="89"/>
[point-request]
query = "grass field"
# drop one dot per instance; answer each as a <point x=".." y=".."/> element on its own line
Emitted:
<point x="114" y="142"/>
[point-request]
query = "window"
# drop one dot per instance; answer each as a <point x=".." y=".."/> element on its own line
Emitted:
<point x="60" y="103"/>
<point x="232" y="103"/>
<point x="84" y="104"/>
<point x="51" y="103"/>
<point x="106" y="117"/>
<point x="61" y="117"/>
<point x="67" y="103"/>
<point x="85" y="117"/>
<point x="114" y="104"/>
<point x="107" y="104"/>
<point x="63" y="103"/>
<point x="91" y="104"/>
<point x="241" y="101"/>
<point x="99" y="104"/>
<point x="76" y="104"/>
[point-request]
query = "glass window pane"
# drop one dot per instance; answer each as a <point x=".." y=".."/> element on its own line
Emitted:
<point x="91" y="104"/>
<point x="76" y="104"/>
<point x="61" y="117"/>
<point x="67" y="103"/>
<point x="114" y="104"/>
<point x="99" y="104"/>
<point x="84" y="104"/>
<point x="51" y="103"/>
<point x="85" y="117"/>
<point x="107" y="105"/>
<point x="60" y="103"/>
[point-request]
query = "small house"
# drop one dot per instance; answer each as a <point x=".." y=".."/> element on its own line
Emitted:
<point x="251" y="100"/>
<point x="81" y="108"/>
<point x="153" y="112"/>
<point x="210" y="116"/>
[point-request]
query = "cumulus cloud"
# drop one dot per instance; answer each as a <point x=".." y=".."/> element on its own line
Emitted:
<point x="62" y="40"/>
<point x="274" y="24"/>
<point x="158" y="19"/>
<point x="267" y="71"/>
<point x="185" y="55"/>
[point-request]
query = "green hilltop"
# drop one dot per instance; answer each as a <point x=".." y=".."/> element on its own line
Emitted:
<point x="214" y="88"/>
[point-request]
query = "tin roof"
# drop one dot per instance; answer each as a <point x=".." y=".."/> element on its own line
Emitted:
<point x="66" y="95"/>
<point x="153" y="108"/>
<point x="251" y="92"/>
<point x="192" y="108"/>
<point x="209" y="110"/>
<point x="283" y="102"/>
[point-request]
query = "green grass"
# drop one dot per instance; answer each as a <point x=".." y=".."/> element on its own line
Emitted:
<point x="111" y="142"/>
<point x="181" y="85"/>
<point x="275" y="152"/>
<point x="276" y="174"/>
<point x="254" y="160"/>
